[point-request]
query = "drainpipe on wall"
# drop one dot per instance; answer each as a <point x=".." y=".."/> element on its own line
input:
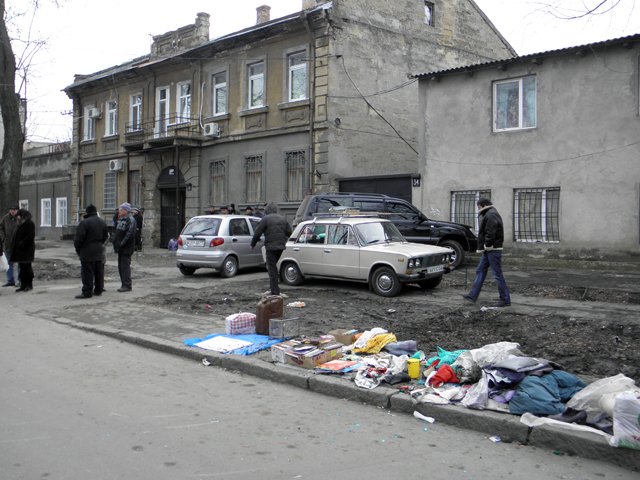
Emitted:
<point x="312" y="76"/>
<point x="76" y="128"/>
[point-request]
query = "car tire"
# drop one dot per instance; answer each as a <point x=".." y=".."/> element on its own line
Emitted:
<point x="458" y="252"/>
<point x="187" y="271"/>
<point x="229" y="267"/>
<point x="291" y="274"/>
<point x="384" y="282"/>
<point x="430" y="283"/>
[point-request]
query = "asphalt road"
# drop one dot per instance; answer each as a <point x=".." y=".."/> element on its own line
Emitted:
<point x="76" y="405"/>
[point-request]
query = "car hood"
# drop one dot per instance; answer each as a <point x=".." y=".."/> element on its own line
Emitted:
<point x="407" y="248"/>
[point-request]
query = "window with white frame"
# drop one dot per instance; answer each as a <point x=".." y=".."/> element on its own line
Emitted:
<point x="135" y="113"/>
<point x="135" y="187"/>
<point x="295" y="168"/>
<point x="87" y="190"/>
<point x="255" y="77"/>
<point x="428" y="13"/>
<point x="61" y="212"/>
<point x="297" y="84"/>
<point x="217" y="182"/>
<point x="24" y="204"/>
<point x="219" y="82"/>
<point x="463" y="206"/>
<point x="111" y="125"/>
<point x="536" y="215"/>
<point x="45" y="212"/>
<point x="89" y="124"/>
<point x="110" y="190"/>
<point x="253" y="180"/>
<point x="184" y="102"/>
<point x="514" y="104"/>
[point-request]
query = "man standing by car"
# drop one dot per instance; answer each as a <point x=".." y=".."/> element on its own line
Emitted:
<point x="123" y="244"/>
<point x="276" y="232"/>
<point x="490" y="240"/>
<point x="89" y="244"/>
<point x="8" y="227"/>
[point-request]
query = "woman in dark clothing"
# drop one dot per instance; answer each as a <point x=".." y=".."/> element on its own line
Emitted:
<point x="23" y="249"/>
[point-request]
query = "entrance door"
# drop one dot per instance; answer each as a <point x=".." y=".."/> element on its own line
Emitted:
<point x="171" y="217"/>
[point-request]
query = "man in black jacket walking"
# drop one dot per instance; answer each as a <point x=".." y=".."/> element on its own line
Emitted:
<point x="89" y="241"/>
<point x="276" y="232"/>
<point x="490" y="241"/>
<point x="123" y="244"/>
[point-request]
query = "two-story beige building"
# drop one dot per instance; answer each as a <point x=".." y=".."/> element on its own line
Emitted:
<point x="318" y="100"/>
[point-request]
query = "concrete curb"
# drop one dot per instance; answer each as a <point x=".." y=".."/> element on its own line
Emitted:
<point x="507" y="427"/>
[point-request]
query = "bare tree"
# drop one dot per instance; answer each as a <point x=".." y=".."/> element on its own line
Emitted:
<point x="575" y="10"/>
<point x="11" y="160"/>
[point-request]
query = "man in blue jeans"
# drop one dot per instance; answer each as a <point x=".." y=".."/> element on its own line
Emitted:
<point x="490" y="240"/>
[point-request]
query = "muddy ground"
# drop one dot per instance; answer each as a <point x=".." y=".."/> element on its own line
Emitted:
<point x="583" y="346"/>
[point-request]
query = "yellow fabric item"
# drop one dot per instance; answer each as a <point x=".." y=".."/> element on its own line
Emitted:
<point x="377" y="343"/>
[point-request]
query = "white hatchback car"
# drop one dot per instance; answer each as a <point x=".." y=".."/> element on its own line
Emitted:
<point x="363" y="249"/>
<point x="220" y="242"/>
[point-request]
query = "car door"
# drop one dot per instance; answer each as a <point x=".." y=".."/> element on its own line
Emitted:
<point x="240" y="238"/>
<point x="342" y="253"/>
<point x="308" y="249"/>
<point x="409" y="221"/>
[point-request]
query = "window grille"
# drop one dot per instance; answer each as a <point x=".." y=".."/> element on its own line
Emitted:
<point x="295" y="163"/>
<point x="253" y="167"/>
<point x="217" y="181"/>
<point x="536" y="215"/>
<point x="463" y="207"/>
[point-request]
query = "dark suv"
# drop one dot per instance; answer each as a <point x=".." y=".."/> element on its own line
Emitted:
<point x="412" y="223"/>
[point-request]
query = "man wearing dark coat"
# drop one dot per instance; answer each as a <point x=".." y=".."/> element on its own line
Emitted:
<point x="276" y="232"/>
<point x="8" y="226"/>
<point x="124" y="240"/>
<point x="23" y="249"/>
<point x="91" y="234"/>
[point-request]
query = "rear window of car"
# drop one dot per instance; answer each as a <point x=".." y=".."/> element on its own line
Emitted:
<point x="202" y="226"/>
<point x="323" y="204"/>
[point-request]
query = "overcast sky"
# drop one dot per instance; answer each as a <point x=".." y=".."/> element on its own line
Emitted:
<point x="84" y="36"/>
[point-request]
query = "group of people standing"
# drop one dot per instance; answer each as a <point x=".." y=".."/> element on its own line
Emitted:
<point x="17" y="241"/>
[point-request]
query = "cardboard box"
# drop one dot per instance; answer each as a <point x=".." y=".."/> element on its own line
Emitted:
<point x="344" y="336"/>
<point x="278" y="350"/>
<point x="309" y="359"/>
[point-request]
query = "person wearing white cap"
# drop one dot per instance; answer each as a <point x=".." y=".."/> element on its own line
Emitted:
<point x="123" y="244"/>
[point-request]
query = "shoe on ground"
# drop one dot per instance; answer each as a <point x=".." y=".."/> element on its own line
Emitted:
<point x="501" y="304"/>
<point x="9" y="284"/>
<point x="97" y="293"/>
<point x="283" y="295"/>
<point x="24" y="289"/>
<point x="124" y="289"/>
<point x="82" y="295"/>
<point x="469" y="298"/>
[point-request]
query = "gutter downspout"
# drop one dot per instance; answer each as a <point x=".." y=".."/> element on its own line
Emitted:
<point x="312" y="102"/>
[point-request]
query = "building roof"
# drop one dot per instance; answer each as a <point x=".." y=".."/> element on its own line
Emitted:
<point x="629" y="40"/>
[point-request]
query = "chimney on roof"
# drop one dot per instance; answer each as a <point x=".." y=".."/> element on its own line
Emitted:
<point x="263" y="14"/>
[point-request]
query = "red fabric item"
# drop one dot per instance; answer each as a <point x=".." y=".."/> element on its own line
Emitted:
<point x="444" y="375"/>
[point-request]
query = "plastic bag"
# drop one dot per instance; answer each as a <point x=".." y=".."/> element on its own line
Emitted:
<point x="589" y="398"/>
<point x="494" y="352"/>
<point x="626" y="421"/>
<point x="478" y="394"/>
<point x="4" y="265"/>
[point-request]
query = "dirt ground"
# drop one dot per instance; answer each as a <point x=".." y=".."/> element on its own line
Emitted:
<point x="594" y="348"/>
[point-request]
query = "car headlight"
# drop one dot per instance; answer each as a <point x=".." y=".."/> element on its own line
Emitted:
<point x="414" y="263"/>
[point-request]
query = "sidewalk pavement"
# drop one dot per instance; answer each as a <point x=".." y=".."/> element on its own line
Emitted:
<point x="165" y="331"/>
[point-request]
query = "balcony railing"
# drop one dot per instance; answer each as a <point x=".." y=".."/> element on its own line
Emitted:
<point x="162" y="130"/>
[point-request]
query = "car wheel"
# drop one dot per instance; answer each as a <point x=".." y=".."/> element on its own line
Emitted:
<point x="187" y="270"/>
<point x="291" y="274"/>
<point x="385" y="283"/>
<point x="458" y="252"/>
<point x="430" y="283"/>
<point x="229" y="267"/>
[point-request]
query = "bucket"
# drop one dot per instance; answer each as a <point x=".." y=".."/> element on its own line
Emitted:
<point x="268" y="308"/>
<point x="413" y="368"/>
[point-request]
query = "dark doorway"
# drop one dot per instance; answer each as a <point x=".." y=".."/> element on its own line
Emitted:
<point x="171" y="215"/>
<point x="394" y="186"/>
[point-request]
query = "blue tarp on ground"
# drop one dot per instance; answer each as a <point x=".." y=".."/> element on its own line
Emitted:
<point x="258" y="342"/>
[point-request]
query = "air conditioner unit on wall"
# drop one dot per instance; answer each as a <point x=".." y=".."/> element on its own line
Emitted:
<point x="116" y="165"/>
<point x="212" y="129"/>
<point x="94" y="113"/>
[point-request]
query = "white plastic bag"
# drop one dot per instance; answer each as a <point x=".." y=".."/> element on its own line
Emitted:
<point x="626" y="421"/>
<point x="478" y="394"/>
<point x="589" y="397"/>
<point x="4" y="265"/>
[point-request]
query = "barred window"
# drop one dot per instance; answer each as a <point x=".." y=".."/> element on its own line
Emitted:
<point x="463" y="207"/>
<point x="217" y="182"/>
<point x="253" y="186"/>
<point x="295" y="163"/>
<point x="110" y="189"/>
<point x="536" y="215"/>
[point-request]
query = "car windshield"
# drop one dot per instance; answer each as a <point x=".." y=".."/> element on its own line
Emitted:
<point x="202" y="226"/>
<point x="379" y="232"/>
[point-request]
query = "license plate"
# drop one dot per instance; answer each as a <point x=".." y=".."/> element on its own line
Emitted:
<point x="195" y="243"/>
<point x="435" y="269"/>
